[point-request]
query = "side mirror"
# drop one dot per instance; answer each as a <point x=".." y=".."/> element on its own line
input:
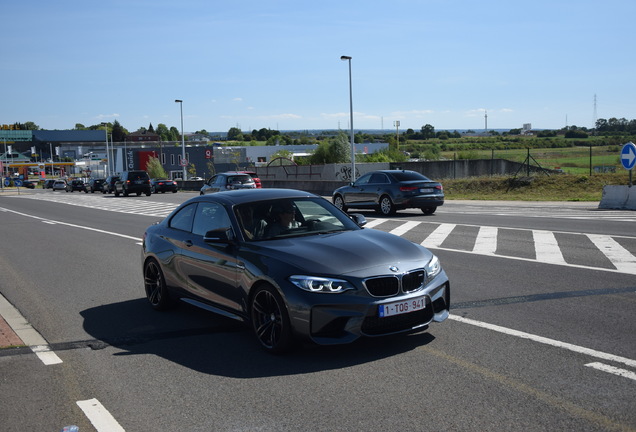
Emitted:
<point x="221" y="235"/>
<point x="359" y="219"/>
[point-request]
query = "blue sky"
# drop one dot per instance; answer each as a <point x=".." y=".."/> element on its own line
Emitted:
<point x="276" y="64"/>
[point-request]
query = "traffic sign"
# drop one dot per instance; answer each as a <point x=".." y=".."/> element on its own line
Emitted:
<point x="184" y="162"/>
<point x="17" y="183"/>
<point x="628" y="155"/>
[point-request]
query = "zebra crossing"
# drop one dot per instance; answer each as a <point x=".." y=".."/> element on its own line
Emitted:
<point x="107" y="203"/>
<point x="590" y="251"/>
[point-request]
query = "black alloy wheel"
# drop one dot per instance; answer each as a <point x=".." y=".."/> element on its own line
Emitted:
<point x="155" y="286"/>
<point x="270" y="320"/>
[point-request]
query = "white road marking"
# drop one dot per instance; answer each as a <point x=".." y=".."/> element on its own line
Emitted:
<point x="374" y="223"/>
<point x="27" y="333"/>
<point x="404" y="228"/>
<point x="546" y="247"/>
<point x="437" y="237"/>
<point x="613" y="370"/>
<point x="622" y="259"/>
<point x="552" y="342"/>
<point x="486" y="241"/>
<point x="99" y="416"/>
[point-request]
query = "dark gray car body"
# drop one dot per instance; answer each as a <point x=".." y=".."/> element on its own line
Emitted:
<point x="381" y="268"/>
<point x="389" y="190"/>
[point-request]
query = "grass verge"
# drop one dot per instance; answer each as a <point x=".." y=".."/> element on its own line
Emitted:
<point x="565" y="187"/>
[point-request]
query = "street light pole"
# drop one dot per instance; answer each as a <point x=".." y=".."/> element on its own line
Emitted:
<point x="353" y="147"/>
<point x="107" y="153"/>
<point x="397" y="134"/>
<point x="183" y="155"/>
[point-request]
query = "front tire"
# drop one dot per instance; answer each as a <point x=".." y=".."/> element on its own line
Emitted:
<point x="155" y="286"/>
<point x="386" y="207"/>
<point x="270" y="320"/>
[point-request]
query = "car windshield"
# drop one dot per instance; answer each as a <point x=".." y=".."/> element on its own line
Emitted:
<point x="266" y="220"/>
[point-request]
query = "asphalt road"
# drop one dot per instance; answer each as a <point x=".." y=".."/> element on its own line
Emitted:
<point x="541" y="334"/>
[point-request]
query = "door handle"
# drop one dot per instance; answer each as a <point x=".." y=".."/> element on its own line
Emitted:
<point x="188" y="243"/>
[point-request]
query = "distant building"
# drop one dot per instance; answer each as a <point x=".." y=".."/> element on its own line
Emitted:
<point x="143" y="135"/>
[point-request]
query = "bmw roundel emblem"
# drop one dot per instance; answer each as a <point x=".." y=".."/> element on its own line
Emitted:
<point x="394" y="269"/>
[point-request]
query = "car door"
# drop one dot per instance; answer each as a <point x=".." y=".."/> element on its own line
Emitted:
<point x="357" y="192"/>
<point x="211" y="269"/>
<point x="213" y="184"/>
<point x="378" y="184"/>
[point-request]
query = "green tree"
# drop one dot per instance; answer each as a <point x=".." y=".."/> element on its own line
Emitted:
<point x="174" y="134"/>
<point x="192" y="170"/>
<point x="428" y="131"/>
<point x="234" y="134"/>
<point x="119" y="133"/>
<point x="155" y="169"/>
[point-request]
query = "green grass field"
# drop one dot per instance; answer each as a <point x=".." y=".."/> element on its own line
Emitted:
<point x="575" y="160"/>
<point x="560" y="187"/>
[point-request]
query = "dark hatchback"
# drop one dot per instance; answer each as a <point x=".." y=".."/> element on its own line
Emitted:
<point x="320" y="277"/>
<point x="76" y="185"/>
<point x="387" y="191"/>
<point x="163" y="185"/>
<point x="109" y="184"/>
<point x="96" y="184"/>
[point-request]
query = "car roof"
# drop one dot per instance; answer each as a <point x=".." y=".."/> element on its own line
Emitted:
<point x="240" y="196"/>
<point x="233" y="173"/>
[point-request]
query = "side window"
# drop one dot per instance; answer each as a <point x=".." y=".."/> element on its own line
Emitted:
<point x="211" y="181"/>
<point x="183" y="219"/>
<point x="208" y="217"/>
<point x="378" y="178"/>
<point x="363" y="180"/>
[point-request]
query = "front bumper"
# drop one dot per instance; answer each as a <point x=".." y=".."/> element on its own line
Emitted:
<point x="347" y="317"/>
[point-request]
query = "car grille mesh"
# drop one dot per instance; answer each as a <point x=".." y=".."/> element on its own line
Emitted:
<point x="390" y="285"/>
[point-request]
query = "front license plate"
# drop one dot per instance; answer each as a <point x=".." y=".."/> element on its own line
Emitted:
<point x="402" y="307"/>
<point x="426" y="190"/>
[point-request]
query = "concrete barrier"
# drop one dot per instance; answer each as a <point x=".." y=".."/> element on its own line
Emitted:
<point x="618" y="198"/>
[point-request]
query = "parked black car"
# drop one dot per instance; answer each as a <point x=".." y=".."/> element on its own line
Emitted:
<point x="109" y="184"/>
<point x="312" y="272"/>
<point x="95" y="184"/>
<point x="48" y="184"/>
<point x="28" y="184"/>
<point x="390" y="190"/>
<point x="133" y="182"/>
<point x="76" y="185"/>
<point x="163" y="185"/>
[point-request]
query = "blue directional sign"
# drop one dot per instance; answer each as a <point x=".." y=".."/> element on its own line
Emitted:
<point x="17" y="183"/>
<point x="628" y="155"/>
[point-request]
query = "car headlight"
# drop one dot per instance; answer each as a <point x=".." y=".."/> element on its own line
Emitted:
<point x="433" y="268"/>
<point x="320" y="284"/>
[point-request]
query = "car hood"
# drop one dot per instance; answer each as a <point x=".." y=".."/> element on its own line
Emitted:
<point x="358" y="252"/>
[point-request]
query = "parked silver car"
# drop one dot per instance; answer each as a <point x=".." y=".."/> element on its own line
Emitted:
<point x="59" y="185"/>
<point x="228" y="181"/>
